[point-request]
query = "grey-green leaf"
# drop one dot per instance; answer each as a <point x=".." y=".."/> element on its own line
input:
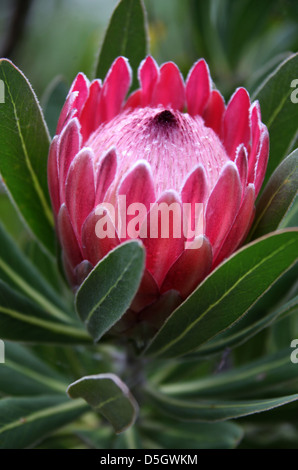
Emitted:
<point x="277" y="197"/>
<point x="107" y="292"/>
<point x="126" y="36"/>
<point x="226" y="294"/>
<point x="24" y="143"/>
<point x="25" y="421"/>
<point x="18" y="271"/>
<point x="24" y="374"/>
<point x="273" y="371"/>
<point x="108" y="395"/>
<point x="23" y="320"/>
<point x="238" y="335"/>
<point x="279" y="110"/>
<point x="214" y="410"/>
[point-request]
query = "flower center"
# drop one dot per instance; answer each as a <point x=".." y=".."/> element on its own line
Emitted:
<point x="165" y="119"/>
<point x="174" y="143"/>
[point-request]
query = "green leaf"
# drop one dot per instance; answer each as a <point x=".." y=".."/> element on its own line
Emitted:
<point x="23" y="320"/>
<point x="10" y="217"/>
<point x="266" y="374"/>
<point x="214" y="410"/>
<point x="239" y="333"/>
<point x="169" y="434"/>
<point x="48" y="269"/>
<point x="277" y="197"/>
<point x="18" y="271"/>
<point x="26" y="421"/>
<point x="291" y="218"/>
<point x="107" y="292"/>
<point x="23" y="373"/>
<point x="24" y="142"/>
<point x="279" y="110"/>
<point x="108" y="395"/>
<point x="126" y="36"/>
<point x="226" y="294"/>
<point x="254" y="81"/>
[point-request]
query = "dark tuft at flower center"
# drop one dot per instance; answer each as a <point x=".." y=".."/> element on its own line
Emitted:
<point x="173" y="143"/>
<point x="165" y="119"/>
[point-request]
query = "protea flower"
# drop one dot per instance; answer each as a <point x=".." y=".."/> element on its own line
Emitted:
<point x="171" y="142"/>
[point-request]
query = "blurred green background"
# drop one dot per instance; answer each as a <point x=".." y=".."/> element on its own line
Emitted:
<point x="241" y="40"/>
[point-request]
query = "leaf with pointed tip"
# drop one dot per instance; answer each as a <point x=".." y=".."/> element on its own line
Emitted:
<point x="255" y="378"/>
<point x="277" y="197"/>
<point x="108" y="291"/>
<point x="279" y="110"/>
<point x="126" y="36"/>
<point x="226" y="294"/>
<point x="214" y="410"/>
<point x="108" y="395"/>
<point x="24" y="142"/>
<point x="239" y="334"/>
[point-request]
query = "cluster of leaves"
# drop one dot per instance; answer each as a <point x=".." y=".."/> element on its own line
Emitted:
<point x="237" y="323"/>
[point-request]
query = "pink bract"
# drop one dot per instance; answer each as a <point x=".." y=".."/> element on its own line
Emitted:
<point x="169" y="141"/>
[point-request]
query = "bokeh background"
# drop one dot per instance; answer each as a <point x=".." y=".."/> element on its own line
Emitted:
<point x="241" y="40"/>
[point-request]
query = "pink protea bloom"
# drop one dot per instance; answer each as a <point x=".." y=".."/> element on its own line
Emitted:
<point x="170" y="142"/>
